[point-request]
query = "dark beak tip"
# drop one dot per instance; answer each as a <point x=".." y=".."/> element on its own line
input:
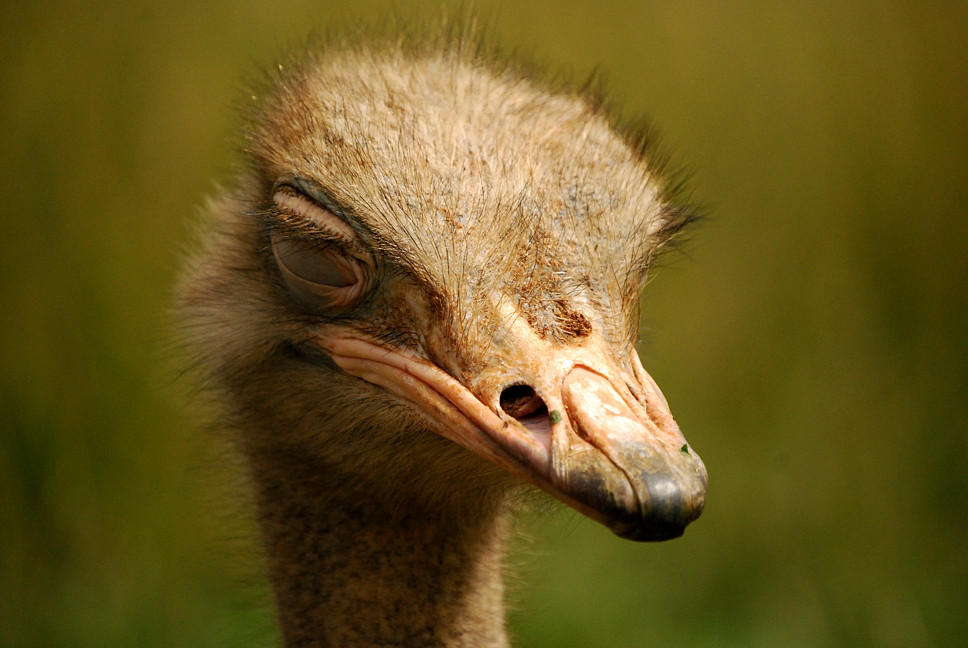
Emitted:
<point x="667" y="516"/>
<point x="657" y="528"/>
<point x="650" y="533"/>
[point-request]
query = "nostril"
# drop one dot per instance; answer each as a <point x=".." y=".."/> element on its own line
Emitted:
<point x="520" y="401"/>
<point x="524" y="404"/>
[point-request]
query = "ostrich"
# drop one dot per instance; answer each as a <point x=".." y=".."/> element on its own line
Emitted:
<point x="417" y="302"/>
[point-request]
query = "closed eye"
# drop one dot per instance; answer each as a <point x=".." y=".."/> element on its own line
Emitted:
<point x="324" y="277"/>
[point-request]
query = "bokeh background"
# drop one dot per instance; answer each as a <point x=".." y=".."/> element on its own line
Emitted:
<point x="812" y="340"/>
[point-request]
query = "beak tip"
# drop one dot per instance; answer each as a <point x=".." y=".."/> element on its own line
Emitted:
<point x="668" y="525"/>
<point x="650" y="533"/>
<point x="670" y="506"/>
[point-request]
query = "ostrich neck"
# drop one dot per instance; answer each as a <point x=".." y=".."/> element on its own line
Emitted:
<point x="349" y="571"/>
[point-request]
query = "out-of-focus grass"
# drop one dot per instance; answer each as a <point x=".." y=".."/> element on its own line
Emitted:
<point x="813" y="344"/>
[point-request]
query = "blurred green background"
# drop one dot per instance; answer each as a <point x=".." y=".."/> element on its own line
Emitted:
<point x="812" y="342"/>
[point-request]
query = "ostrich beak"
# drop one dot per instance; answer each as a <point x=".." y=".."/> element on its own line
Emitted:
<point x="593" y="439"/>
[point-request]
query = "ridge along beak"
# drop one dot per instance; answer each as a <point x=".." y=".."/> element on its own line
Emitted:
<point x="600" y="440"/>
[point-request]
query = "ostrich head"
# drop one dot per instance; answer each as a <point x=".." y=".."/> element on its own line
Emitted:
<point x="423" y="291"/>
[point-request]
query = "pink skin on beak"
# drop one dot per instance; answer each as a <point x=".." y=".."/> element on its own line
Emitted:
<point x="614" y="455"/>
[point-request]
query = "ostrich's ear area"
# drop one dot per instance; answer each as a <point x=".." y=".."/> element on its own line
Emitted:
<point x="321" y="272"/>
<point x="597" y="437"/>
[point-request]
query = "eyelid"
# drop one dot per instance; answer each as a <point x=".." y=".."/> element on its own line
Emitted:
<point x="294" y="203"/>
<point x="347" y="288"/>
<point x="318" y="265"/>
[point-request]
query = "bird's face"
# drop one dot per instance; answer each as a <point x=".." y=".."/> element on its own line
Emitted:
<point x="473" y="249"/>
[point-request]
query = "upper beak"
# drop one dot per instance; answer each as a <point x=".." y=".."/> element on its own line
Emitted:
<point x="598" y="438"/>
